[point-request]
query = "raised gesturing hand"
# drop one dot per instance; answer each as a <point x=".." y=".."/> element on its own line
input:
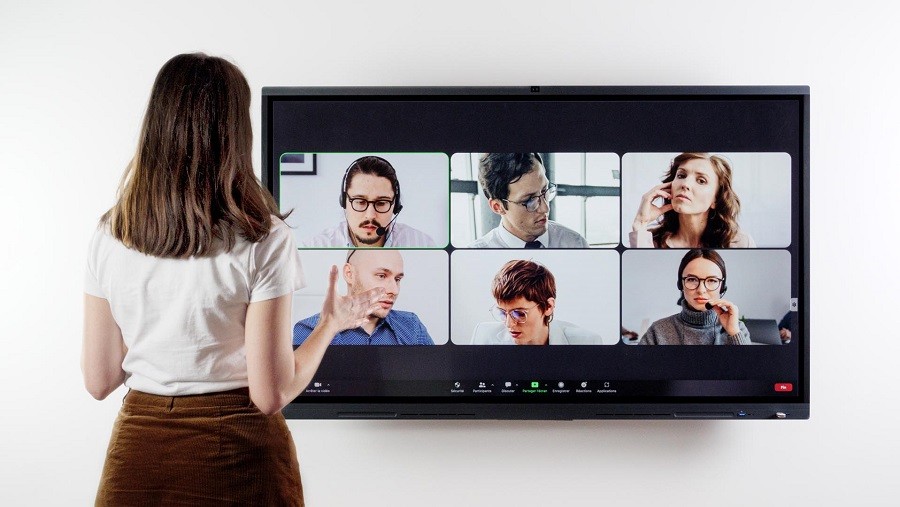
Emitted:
<point x="350" y="311"/>
<point x="648" y="212"/>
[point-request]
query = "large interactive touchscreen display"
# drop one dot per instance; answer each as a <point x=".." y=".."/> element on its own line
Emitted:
<point x="551" y="252"/>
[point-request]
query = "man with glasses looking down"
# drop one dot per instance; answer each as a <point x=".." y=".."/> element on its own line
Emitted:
<point x="370" y="197"/>
<point x="518" y="190"/>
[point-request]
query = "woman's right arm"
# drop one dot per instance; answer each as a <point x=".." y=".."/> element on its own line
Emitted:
<point x="102" y="349"/>
<point x="276" y="373"/>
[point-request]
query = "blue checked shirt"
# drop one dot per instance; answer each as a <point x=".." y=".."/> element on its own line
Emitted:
<point x="398" y="328"/>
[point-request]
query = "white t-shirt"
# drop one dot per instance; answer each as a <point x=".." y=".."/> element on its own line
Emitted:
<point x="183" y="319"/>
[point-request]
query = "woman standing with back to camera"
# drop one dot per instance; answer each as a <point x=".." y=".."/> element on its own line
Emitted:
<point x="700" y="207"/>
<point x="187" y="301"/>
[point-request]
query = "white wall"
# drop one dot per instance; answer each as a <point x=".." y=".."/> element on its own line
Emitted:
<point x="76" y="77"/>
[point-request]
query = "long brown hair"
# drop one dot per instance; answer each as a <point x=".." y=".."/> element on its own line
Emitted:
<point x="190" y="186"/>
<point x="721" y="224"/>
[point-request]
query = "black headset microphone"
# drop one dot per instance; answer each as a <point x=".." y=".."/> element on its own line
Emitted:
<point x="381" y="231"/>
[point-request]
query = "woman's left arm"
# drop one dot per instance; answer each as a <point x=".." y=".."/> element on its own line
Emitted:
<point x="103" y="349"/>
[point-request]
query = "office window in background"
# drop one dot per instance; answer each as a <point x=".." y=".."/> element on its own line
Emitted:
<point x="587" y="201"/>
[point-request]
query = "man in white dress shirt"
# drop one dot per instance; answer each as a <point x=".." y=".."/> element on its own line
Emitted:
<point x="518" y="190"/>
<point x="370" y="196"/>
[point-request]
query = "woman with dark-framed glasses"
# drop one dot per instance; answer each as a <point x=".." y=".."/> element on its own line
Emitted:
<point x="705" y="318"/>
<point x="525" y="295"/>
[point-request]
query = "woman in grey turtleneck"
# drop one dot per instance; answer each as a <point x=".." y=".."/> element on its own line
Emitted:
<point x="705" y="318"/>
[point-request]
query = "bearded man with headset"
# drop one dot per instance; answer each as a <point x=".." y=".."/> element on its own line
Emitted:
<point x="370" y="197"/>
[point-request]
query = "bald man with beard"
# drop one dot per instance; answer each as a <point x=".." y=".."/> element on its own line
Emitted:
<point x="364" y="270"/>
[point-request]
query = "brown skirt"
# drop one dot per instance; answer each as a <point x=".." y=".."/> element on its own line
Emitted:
<point x="209" y="449"/>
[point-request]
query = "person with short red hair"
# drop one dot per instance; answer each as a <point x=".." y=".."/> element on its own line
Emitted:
<point x="525" y="292"/>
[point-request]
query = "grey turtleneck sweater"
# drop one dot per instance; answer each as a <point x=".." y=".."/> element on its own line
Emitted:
<point x="691" y="327"/>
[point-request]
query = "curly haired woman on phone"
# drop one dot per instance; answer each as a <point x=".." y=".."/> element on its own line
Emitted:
<point x="700" y="207"/>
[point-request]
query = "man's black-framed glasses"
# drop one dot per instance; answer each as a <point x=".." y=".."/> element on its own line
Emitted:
<point x="691" y="282"/>
<point x="534" y="202"/>
<point x="381" y="205"/>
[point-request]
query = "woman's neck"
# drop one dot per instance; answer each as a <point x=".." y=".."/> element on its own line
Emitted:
<point x="690" y="231"/>
<point x="697" y="318"/>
